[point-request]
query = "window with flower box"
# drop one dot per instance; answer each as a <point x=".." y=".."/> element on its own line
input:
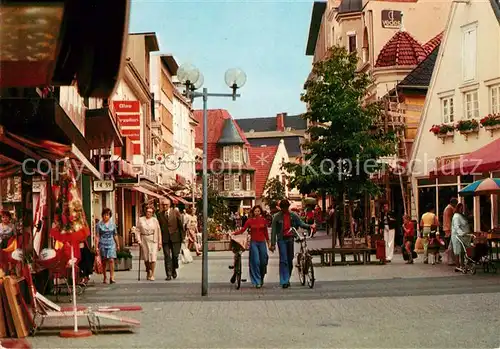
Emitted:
<point x="495" y="99"/>
<point x="448" y="112"/>
<point x="471" y="107"/>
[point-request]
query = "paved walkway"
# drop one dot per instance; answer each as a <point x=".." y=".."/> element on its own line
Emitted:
<point x="376" y="306"/>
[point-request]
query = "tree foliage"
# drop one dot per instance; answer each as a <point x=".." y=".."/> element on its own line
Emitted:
<point x="274" y="191"/>
<point x="343" y="148"/>
<point x="218" y="211"/>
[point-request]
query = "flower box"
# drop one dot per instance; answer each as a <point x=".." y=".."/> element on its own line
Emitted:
<point x="123" y="264"/>
<point x="443" y="136"/>
<point x="443" y="131"/>
<point x="492" y="128"/>
<point x="223" y="245"/>
<point x="466" y="133"/>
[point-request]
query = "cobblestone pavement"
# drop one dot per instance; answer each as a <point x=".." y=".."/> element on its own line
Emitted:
<point x="391" y="306"/>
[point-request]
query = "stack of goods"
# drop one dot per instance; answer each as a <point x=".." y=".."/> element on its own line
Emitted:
<point x="16" y="319"/>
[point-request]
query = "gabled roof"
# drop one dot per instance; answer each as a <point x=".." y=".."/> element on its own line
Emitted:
<point x="420" y="77"/>
<point x="216" y="122"/>
<point x="319" y="9"/>
<point x="401" y="50"/>
<point x="230" y="134"/>
<point x="430" y="45"/>
<point x="262" y="159"/>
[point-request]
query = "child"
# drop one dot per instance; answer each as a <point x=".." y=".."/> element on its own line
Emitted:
<point x="435" y="243"/>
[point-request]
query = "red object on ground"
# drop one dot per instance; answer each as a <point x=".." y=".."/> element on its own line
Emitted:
<point x="110" y="308"/>
<point x="15" y="343"/>
<point x="380" y="253"/>
<point x="75" y="334"/>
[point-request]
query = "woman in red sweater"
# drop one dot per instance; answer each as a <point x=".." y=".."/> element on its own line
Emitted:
<point x="259" y="239"/>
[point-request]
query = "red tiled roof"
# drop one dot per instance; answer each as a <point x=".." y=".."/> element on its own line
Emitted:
<point x="216" y="119"/>
<point x="430" y="45"/>
<point x="262" y="159"/>
<point x="401" y="50"/>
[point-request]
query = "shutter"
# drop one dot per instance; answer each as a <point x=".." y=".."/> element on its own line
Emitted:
<point x="469" y="54"/>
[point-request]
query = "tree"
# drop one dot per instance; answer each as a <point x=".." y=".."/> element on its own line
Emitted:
<point x="344" y="144"/>
<point x="218" y="212"/>
<point x="274" y="191"/>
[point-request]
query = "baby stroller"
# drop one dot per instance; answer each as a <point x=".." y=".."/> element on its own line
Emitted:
<point x="476" y="254"/>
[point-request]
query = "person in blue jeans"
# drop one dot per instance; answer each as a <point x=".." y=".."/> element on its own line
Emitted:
<point x="281" y="234"/>
<point x="259" y="239"/>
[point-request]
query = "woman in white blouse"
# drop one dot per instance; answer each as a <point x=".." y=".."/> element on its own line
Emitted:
<point x="149" y="240"/>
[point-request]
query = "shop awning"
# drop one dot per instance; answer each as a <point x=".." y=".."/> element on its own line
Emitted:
<point x="101" y="128"/>
<point x="38" y="154"/>
<point x="485" y="159"/>
<point x="147" y="191"/>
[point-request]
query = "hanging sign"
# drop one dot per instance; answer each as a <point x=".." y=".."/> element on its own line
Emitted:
<point x="129" y="117"/>
<point x="391" y="19"/>
<point x="104" y="186"/>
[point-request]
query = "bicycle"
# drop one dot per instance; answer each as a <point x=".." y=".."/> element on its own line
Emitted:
<point x="304" y="260"/>
<point x="237" y="249"/>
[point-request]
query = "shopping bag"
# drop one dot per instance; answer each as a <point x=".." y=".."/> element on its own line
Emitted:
<point x="186" y="254"/>
<point x="419" y="245"/>
<point x="98" y="264"/>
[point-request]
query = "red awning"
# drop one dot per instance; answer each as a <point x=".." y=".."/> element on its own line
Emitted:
<point x="485" y="159"/>
<point x="17" y="149"/>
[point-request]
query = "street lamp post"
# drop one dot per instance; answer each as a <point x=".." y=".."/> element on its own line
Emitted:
<point x="191" y="77"/>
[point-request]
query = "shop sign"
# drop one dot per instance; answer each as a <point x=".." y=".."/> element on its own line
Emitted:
<point x="391" y="19"/>
<point x="128" y="114"/>
<point x="104" y="186"/>
<point x="446" y="160"/>
<point x="38" y="186"/>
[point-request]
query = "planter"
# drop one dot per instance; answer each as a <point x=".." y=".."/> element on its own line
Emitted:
<point x="357" y="243"/>
<point x="123" y="264"/>
<point x="223" y="245"/>
<point x="443" y="136"/>
<point x="492" y="128"/>
<point x="466" y="133"/>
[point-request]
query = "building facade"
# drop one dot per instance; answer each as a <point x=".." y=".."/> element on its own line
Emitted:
<point x="465" y="87"/>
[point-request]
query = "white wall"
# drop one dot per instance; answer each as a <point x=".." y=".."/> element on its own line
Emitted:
<point x="183" y="137"/>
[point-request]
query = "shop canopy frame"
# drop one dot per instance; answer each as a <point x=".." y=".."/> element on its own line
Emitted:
<point x="485" y="159"/>
<point x="17" y="149"/>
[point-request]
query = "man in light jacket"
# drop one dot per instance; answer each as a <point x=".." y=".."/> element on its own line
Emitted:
<point x="281" y="234"/>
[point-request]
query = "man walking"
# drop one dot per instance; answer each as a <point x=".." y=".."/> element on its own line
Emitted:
<point x="448" y="213"/>
<point x="172" y="232"/>
<point x="281" y="234"/>
<point x="387" y="226"/>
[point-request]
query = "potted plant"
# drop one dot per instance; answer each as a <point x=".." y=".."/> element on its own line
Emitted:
<point x="491" y="122"/>
<point x="443" y="131"/>
<point x="465" y="127"/>
<point x="123" y="260"/>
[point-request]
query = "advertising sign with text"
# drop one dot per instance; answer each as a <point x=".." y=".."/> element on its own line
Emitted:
<point x="129" y="116"/>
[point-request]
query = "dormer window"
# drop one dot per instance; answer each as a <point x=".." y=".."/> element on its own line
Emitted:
<point x="237" y="154"/>
<point x="226" y="151"/>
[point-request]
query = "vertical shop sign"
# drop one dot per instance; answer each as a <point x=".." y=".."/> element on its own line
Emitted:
<point x="129" y="117"/>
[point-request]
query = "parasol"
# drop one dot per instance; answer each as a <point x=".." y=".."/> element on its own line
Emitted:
<point x="485" y="186"/>
<point x="70" y="227"/>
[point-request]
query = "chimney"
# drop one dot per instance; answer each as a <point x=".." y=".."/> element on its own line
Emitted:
<point x="280" y="122"/>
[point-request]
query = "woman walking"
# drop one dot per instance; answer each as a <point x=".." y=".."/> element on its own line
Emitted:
<point x="459" y="231"/>
<point x="409" y="236"/>
<point x="107" y="242"/>
<point x="192" y="233"/>
<point x="149" y="240"/>
<point x="259" y="239"/>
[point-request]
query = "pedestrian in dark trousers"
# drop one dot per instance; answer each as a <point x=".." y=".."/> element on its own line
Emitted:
<point x="172" y="233"/>
<point x="282" y="235"/>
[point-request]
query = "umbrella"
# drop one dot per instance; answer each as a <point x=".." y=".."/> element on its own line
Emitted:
<point x="485" y="186"/>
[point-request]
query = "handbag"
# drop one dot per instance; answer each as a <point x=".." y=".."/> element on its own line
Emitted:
<point x="186" y="254"/>
<point x="98" y="263"/>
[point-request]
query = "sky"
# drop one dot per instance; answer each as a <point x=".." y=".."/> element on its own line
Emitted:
<point x="266" y="39"/>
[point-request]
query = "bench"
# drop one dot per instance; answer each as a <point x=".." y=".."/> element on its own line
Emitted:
<point x="362" y="255"/>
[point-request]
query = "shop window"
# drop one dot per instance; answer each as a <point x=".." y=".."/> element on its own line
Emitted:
<point x="485" y="212"/>
<point x="468" y="202"/>
<point x="466" y="179"/>
<point x="426" y="196"/>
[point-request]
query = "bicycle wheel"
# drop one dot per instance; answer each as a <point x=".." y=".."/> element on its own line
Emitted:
<point x="301" y="269"/>
<point x="238" y="273"/>
<point x="309" y="273"/>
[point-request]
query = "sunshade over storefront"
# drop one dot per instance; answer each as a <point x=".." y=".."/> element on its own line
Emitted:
<point x="485" y="159"/>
